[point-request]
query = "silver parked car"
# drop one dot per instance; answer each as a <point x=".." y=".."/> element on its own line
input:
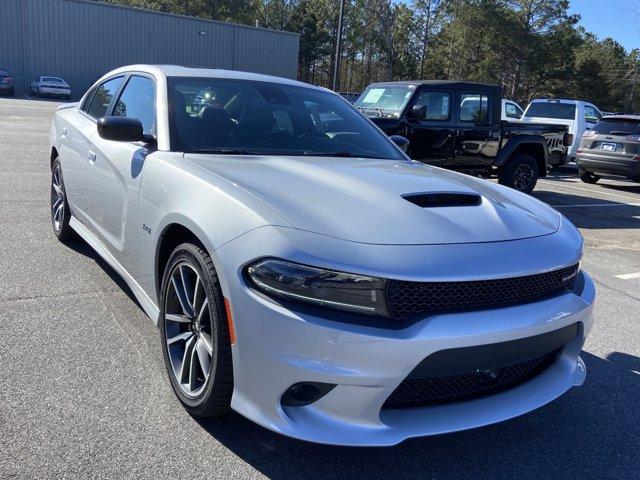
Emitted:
<point x="46" y="85"/>
<point x="306" y="273"/>
<point x="611" y="147"/>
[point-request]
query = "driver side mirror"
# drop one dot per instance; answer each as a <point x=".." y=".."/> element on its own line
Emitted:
<point x="400" y="141"/>
<point x="122" y="129"/>
<point x="418" y="112"/>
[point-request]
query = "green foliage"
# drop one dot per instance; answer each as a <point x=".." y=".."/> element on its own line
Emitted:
<point x="532" y="48"/>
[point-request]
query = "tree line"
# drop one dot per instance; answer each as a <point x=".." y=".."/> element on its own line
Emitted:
<point x="532" y="48"/>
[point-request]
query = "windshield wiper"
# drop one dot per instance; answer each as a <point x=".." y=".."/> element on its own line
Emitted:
<point x="338" y="154"/>
<point x="224" y="151"/>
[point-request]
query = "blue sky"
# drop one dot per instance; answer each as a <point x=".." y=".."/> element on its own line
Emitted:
<point x="611" y="18"/>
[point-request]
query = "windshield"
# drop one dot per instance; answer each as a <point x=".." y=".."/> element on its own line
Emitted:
<point x="563" y="111"/>
<point x="262" y="118"/>
<point x="385" y="98"/>
<point x="618" y="126"/>
<point x="51" y="79"/>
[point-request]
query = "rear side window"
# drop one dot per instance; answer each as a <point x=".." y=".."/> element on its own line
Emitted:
<point x="474" y="108"/>
<point x="102" y="97"/>
<point x="434" y="105"/>
<point x="138" y="101"/>
<point x="563" y="111"/>
<point x="591" y="115"/>
<point x="511" y="110"/>
<point x="619" y="127"/>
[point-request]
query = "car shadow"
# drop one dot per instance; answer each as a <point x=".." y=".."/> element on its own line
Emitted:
<point x="78" y="245"/>
<point x="590" y="432"/>
<point x="605" y="214"/>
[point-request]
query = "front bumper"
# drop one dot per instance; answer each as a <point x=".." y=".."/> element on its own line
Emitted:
<point x="278" y="347"/>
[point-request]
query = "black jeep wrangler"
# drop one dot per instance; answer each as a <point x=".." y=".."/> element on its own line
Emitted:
<point x="458" y="125"/>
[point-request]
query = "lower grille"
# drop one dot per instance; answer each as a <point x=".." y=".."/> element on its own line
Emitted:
<point x="410" y="298"/>
<point x="415" y="392"/>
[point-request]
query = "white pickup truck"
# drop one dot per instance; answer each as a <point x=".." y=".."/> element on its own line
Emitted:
<point x="579" y="116"/>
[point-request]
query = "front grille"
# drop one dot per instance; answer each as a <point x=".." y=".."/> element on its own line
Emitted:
<point x="410" y="298"/>
<point x="415" y="392"/>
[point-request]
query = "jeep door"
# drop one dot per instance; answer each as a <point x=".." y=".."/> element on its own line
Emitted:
<point x="477" y="126"/>
<point x="430" y="126"/>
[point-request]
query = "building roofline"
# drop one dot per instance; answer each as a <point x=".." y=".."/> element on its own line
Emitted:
<point x="177" y="15"/>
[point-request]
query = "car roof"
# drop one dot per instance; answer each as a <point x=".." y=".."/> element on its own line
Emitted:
<point x="633" y="118"/>
<point x="434" y="83"/>
<point x="179" y="71"/>
<point x="559" y="100"/>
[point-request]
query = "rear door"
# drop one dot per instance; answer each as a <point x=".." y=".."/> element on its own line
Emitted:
<point x="113" y="176"/>
<point x="430" y="125"/>
<point x="477" y="130"/>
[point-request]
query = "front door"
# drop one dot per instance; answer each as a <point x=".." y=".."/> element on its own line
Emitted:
<point x="477" y="137"/>
<point x="113" y="176"/>
<point x="430" y="127"/>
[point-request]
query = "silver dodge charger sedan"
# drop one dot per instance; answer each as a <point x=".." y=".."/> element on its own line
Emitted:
<point x="304" y="272"/>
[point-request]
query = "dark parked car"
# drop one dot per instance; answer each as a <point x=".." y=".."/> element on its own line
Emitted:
<point x="6" y="82"/>
<point x="457" y="125"/>
<point x="612" y="147"/>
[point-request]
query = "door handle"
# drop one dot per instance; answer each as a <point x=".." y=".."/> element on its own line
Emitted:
<point x="92" y="157"/>
<point x="64" y="132"/>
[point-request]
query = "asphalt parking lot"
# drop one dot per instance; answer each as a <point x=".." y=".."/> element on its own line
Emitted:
<point x="84" y="393"/>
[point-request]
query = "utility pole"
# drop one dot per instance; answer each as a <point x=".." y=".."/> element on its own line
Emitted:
<point x="631" y="107"/>
<point x="336" y="63"/>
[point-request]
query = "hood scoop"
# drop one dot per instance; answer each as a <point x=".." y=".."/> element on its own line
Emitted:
<point x="443" y="199"/>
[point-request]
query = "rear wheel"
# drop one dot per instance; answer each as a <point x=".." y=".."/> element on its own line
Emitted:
<point x="588" y="177"/>
<point x="195" y="334"/>
<point x="60" y="214"/>
<point x="520" y="172"/>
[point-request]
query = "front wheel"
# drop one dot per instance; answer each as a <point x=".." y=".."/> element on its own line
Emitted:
<point x="196" y="343"/>
<point x="520" y="172"/>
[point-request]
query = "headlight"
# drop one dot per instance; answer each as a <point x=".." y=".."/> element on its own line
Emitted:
<point x="327" y="288"/>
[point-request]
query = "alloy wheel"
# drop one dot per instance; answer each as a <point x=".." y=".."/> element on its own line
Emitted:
<point x="523" y="176"/>
<point x="188" y="329"/>
<point x="57" y="198"/>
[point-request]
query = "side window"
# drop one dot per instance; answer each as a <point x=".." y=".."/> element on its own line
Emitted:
<point x="137" y="100"/>
<point x="431" y="106"/>
<point x="591" y="115"/>
<point x="102" y="97"/>
<point x="474" y="108"/>
<point x="87" y="101"/>
<point x="512" y="110"/>
<point x="519" y="111"/>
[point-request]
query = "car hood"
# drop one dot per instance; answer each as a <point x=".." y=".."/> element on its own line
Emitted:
<point x="361" y="200"/>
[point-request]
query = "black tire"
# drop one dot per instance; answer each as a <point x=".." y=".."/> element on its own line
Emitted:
<point x="213" y="396"/>
<point x="588" y="177"/>
<point x="60" y="212"/>
<point x="520" y="173"/>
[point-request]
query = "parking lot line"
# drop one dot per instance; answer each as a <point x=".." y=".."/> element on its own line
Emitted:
<point x="629" y="276"/>
<point x="598" y="205"/>
<point x="562" y="184"/>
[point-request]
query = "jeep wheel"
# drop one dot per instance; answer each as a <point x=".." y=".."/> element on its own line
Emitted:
<point x="588" y="177"/>
<point x="520" y="172"/>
